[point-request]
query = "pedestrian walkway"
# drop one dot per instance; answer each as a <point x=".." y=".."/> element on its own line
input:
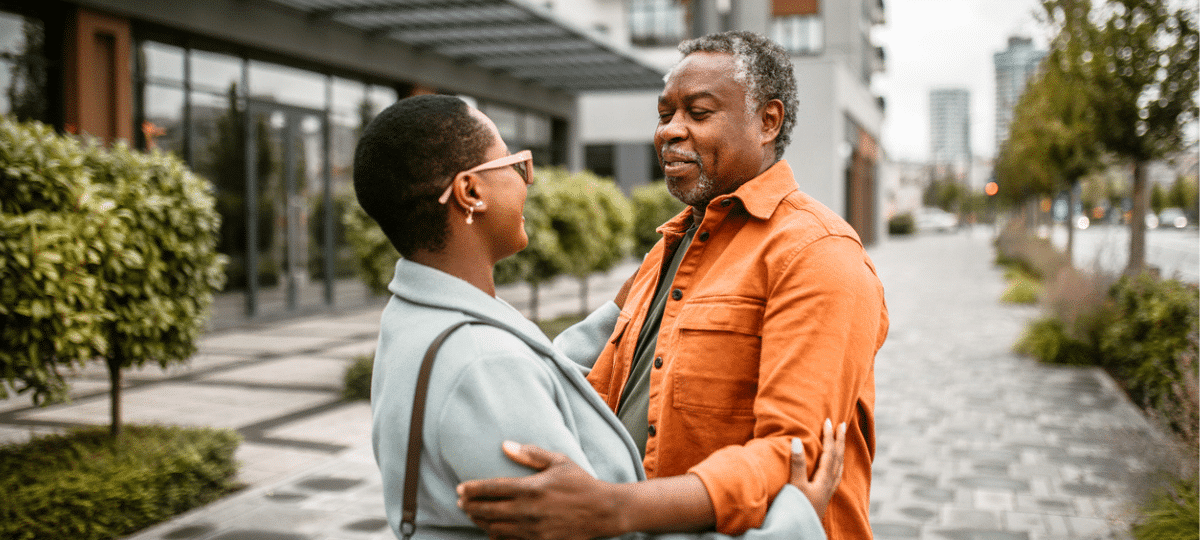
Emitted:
<point x="973" y="442"/>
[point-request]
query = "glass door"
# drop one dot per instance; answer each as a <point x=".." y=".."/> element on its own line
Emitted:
<point x="287" y="190"/>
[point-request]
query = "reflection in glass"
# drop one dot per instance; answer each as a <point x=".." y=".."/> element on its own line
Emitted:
<point x="507" y="121"/>
<point x="218" y="137"/>
<point x="283" y="84"/>
<point x="163" y="122"/>
<point x="22" y="67"/>
<point x="215" y="72"/>
<point x="162" y="62"/>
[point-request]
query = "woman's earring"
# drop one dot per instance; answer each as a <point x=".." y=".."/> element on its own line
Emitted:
<point x="471" y="212"/>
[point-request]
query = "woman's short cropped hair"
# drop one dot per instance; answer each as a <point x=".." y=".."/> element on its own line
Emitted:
<point x="406" y="157"/>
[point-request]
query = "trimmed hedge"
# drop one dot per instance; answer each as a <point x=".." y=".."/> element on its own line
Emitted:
<point x="88" y="486"/>
<point x="356" y="384"/>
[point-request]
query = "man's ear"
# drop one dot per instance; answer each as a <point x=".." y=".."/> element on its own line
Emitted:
<point x="771" y="115"/>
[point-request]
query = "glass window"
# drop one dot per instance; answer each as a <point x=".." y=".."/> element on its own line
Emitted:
<point x="162" y="63"/>
<point x="214" y="72"/>
<point x="162" y="122"/>
<point x="656" y="22"/>
<point x="537" y="130"/>
<point x="507" y="122"/>
<point x="381" y="97"/>
<point x="22" y="67"/>
<point x="288" y="85"/>
<point x="799" y="34"/>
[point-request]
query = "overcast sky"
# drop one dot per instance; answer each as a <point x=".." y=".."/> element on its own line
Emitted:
<point x="946" y="44"/>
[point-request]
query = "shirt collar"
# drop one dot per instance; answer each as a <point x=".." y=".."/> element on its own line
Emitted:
<point x="762" y="194"/>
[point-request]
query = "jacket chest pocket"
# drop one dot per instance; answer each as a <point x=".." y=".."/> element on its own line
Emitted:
<point x="715" y="358"/>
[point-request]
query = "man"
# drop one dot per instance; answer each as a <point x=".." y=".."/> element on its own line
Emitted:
<point x="756" y="317"/>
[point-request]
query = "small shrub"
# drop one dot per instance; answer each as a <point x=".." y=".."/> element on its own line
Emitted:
<point x="1022" y="287"/>
<point x="1147" y="334"/>
<point x="87" y="485"/>
<point x="1045" y="339"/>
<point x="653" y="205"/>
<point x="902" y="224"/>
<point x="1173" y="515"/>
<point x="357" y="382"/>
<point x="553" y="327"/>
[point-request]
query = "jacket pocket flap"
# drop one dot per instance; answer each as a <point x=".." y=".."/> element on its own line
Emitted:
<point x="741" y="316"/>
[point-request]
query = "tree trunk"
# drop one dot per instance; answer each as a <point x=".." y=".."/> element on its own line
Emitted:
<point x="1137" y="220"/>
<point x="533" y="301"/>
<point x="583" y="296"/>
<point x="114" y="380"/>
<point x="1071" y="224"/>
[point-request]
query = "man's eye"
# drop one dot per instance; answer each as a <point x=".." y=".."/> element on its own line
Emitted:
<point x="664" y="116"/>
<point x="698" y="112"/>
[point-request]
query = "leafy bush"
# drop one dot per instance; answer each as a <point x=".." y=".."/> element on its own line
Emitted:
<point x="1173" y="515"/>
<point x="88" y="486"/>
<point x="357" y="382"/>
<point x="1022" y="287"/>
<point x="1037" y="256"/>
<point x="653" y="205"/>
<point x="374" y="252"/>
<point x="1047" y="340"/>
<point x="902" y="224"/>
<point x="1147" y="334"/>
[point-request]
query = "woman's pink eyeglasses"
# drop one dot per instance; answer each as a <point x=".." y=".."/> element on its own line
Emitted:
<point x="522" y="162"/>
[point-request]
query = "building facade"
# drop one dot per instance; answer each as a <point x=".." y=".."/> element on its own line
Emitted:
<point x="1014" y="66"/>
<point x="265" y="99"/>
<point x="950" y="132"/>
<point x="835" y="150"/>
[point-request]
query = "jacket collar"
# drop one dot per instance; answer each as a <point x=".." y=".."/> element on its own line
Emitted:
<point x="429" y="286"/>
<point x="760" y="196"/>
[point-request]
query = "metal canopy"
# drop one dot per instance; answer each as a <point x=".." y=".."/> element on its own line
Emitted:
<point x="509" y="36"/>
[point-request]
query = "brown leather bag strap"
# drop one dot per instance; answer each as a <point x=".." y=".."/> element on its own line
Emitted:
<point x="412" y="471"/>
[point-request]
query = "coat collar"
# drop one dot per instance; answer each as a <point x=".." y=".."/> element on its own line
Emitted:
<point x="431" y="287"/>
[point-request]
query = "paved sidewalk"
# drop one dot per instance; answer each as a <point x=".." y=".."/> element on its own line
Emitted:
<point x="974" y="442"/>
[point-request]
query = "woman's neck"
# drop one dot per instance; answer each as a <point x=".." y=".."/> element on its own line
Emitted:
<point x="464" y="265"/>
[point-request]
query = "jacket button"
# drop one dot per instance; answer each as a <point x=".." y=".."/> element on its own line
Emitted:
<point x="676" y="294"/>
<point x="704" y="236"/>
<point x="658" y="362"/>
<point x="726" y="202"/>
<point x="650" y="430"/>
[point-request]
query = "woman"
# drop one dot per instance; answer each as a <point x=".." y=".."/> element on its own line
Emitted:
<point x="437" y="177"/>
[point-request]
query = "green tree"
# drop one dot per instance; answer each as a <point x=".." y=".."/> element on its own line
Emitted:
<point x="1140" y="65"/>
<point x="1158" y="198"/>
<point x="107" y="254"/>
<point x="158" y="282"/>
<point x="1184" y="194"/>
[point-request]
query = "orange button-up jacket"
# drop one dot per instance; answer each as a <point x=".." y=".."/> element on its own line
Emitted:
<point x="771" y="327"/>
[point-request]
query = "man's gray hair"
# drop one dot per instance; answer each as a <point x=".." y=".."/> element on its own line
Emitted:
<point x="762" y="67"/>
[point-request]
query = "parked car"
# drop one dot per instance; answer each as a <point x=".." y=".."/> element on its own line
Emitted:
<point x="1173" y="217"/>
<point x="935" y="220"/>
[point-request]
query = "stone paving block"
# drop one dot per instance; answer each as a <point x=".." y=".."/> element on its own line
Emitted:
<point x="22" y="434"/>
<point x="993" y="500"/>
<point x="262" y="464"/>
<point x="317" y="372"/>
<point x="257" y="343"/>
<point x="346" y="425"/>
<point x="969" y="518"/>
<point x="184" y="404"/>
<point x="352" y="350"/>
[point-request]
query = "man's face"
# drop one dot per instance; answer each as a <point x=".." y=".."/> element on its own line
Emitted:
<point x="708" y="143"/>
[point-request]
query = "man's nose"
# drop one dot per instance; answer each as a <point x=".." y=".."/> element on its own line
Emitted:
<point x="673" y="129"/>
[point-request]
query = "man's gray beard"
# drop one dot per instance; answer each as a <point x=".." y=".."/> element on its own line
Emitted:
<point x="699" y="195"/>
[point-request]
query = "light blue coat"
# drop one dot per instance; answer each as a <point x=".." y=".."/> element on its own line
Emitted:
<point x="490" y="385"/>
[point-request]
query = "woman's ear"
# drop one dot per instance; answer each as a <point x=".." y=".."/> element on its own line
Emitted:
<point x="467" y="192"/>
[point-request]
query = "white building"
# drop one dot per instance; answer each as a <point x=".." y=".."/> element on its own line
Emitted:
<point x="835" y="149"/>
<point x="950" y="129"/>
<point x="1014" y="66"/>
